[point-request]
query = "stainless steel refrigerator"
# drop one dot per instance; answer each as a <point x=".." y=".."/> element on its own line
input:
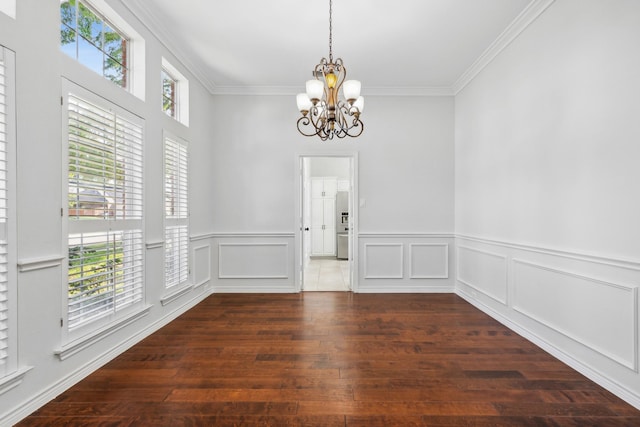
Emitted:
<point x="342" y="224"/>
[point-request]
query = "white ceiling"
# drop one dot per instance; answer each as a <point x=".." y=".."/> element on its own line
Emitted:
<point x="256" y="45"/>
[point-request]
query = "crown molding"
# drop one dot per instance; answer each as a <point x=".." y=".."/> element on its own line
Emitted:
<point x="368" y="91"/>
<point x="149" y="19"/>
<point x="517" y="26"/>
<point x="144" y="13"/>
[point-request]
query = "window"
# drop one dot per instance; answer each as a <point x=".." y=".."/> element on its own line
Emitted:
<point x="175" y="93"/>
<point x="176" y="211"/>
<point x="169" y="88"/>
<point x="93" y="41"/>
<point x="105" y="239"/>
<point x="8" y="301"/>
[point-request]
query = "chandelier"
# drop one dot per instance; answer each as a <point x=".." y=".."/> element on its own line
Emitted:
<point x="323" y="113"/>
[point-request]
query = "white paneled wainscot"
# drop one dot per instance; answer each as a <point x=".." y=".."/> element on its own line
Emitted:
<point x="254" y="262"/>
<point x="405" y="262"/>
<point x="581" y="308"/>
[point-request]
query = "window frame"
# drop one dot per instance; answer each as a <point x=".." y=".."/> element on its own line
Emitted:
<point x="9" y="363"/>
<point x="181" y="104"/>
<point x="181" y="219"/>
<point x="105" y="54"/>
<point x="136" y="81"/>
<point x="106" y="224"/>
<point x="173" y="100"/>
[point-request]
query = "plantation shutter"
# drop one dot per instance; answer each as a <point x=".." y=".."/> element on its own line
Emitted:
<point x="105" y="209"/>
<point x="176" y="212"/>
<point x="4" y="261"/>
<point x="8" y="300"/>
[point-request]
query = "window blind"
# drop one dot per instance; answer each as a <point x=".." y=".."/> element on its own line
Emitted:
<point x="4" y="218"/>
<point x="176" y="212"/>
<point x="105" y="207"/>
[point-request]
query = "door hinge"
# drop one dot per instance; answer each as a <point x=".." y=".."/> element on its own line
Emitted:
<point x="62" y="100"/>
<point x="61" y="211"/>
<point x="61" y="322"/>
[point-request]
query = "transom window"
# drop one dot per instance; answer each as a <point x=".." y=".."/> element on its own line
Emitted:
<point x="169" y="92"/>
<point x="89" y="38"/>
<point x="175" y="93"/>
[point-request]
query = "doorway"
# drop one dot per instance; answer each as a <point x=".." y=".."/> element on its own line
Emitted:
<point x="327" y="222"/>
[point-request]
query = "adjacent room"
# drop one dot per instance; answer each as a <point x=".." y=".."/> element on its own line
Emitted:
<point x="205" y="220"/>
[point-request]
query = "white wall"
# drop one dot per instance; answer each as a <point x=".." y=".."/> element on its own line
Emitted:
<point x="546" y="183"/>
<point x="405" y="162"/>
<point x="34" y="37"/>
<point x="330" y="166"/>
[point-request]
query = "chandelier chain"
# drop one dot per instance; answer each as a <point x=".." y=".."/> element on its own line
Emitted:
<point x="330" y="31"/>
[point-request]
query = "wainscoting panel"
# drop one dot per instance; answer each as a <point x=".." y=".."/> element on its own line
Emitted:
<point x="483" y="271"/>
<point x="254" y="262"/>
<point x="580" y="307"/>
<point x="405" y="262"/>
<point x="383" y="261"/>
<point x="429" y="260"/>
<point x="201" y="265"/>
<point x="598" y="314"/>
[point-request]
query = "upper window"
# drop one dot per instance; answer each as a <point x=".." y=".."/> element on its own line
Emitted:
<point x="93" y="41"/>
<point x="169" y="89"/>
<point x="175" y="93"/>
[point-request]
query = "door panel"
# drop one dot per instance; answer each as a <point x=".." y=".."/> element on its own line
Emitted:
<point x="317" y="241"/>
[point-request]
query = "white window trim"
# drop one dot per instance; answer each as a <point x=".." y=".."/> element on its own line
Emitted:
<point x="83" y="336"/>
<point x="182" y="92"/>
<point x="10" y="364"/>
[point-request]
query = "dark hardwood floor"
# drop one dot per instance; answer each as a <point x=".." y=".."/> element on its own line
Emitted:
<point x="335" y="359"/>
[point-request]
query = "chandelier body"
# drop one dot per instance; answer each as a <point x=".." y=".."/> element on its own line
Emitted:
<point x="324" y="114"/>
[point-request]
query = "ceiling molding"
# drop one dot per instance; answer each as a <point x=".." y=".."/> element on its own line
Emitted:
<point x="144" y="13"/>
<point x="522" y="21"/>
<point x="367" y="91"/>
<point x="154" y="24"/>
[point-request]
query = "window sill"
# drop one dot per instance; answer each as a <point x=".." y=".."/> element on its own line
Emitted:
<point x="169" y="298"/>
<point x="78" y="345"/>
<point x="13" y="380"/>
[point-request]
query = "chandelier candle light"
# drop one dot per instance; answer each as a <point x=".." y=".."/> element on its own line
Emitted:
<point x="322" y="110"/>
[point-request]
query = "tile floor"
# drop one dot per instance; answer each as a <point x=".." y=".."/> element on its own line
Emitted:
<point x="326" y="275"/>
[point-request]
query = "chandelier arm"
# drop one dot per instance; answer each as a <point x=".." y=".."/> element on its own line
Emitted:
<point x="356" y="127"/>
<point x="304" y="121"/>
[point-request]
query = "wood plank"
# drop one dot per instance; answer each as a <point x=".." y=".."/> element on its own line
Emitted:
<point x="335" y="359"/>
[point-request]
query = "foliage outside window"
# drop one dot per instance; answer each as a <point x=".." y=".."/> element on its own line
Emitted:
<point x="93" y="41"/>
<point x="169" y="92"/>
<point x="105" y="271"/>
